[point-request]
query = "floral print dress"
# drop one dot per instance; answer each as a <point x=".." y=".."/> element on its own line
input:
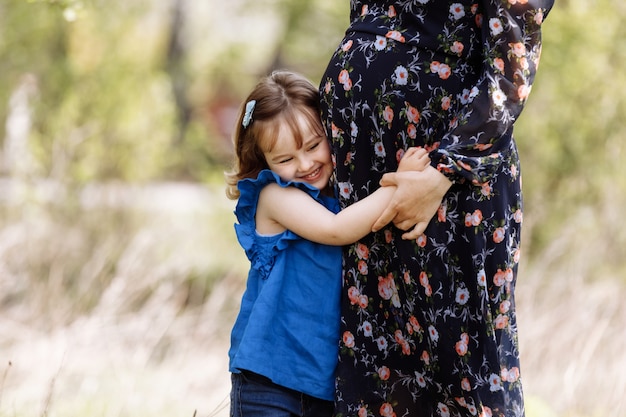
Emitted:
<point x="428" y="326"/>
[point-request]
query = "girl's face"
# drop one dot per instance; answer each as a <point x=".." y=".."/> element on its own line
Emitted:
<point x="310" y="163"/>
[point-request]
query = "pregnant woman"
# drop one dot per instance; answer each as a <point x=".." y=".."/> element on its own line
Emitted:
<point x="428" y="311"/>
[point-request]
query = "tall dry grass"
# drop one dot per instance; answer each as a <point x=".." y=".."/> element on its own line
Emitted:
<point x="118" y="301"/>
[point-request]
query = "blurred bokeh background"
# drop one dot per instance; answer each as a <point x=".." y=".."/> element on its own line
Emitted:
<point x="120" y="275"/>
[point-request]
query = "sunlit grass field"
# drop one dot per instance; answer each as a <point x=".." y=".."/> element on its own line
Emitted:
<point x="118" y="301"/>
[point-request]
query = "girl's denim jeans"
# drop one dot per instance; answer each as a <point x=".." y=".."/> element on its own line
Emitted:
<point x="254" y="395"/>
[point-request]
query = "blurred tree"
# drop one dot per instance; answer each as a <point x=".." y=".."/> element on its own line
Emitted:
<point x="148" y="90"/>
<point x="571" y="133"/>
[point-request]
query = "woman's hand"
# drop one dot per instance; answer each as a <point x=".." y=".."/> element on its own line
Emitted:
<point x="416" y="200"/>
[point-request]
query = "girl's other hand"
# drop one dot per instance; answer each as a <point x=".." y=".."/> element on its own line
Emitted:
<point x="414" y="159"/>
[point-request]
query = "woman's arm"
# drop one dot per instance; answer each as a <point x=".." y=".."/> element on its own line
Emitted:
<point x="469" y="153"/>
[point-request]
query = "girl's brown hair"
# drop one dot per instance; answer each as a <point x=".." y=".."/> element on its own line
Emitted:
<point x="279" y="98"/>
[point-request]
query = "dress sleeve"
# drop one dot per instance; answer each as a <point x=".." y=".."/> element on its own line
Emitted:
<point x="511" y="39"/>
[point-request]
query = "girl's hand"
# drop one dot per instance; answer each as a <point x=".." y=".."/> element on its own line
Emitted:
<point x="415" y="201"/>
<point x="414" y="159"/>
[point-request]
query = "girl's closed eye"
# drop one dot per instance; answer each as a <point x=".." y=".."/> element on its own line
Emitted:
<point x="314" y="146"/>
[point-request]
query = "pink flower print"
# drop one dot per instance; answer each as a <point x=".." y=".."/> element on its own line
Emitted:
<point x="395" y="35"/>
<point x="473" y="219"/>
<point x="485" y="189"/>
<point x="400" y="340"/>
<point x="411" y="130"/>
<point x="423" y="279"/>
<point x="386" y="410"/>
<point x="362" y="251"/>
<point x="457" y="47"/>
<point x="348" y="339"/>
<point x="442" y="212"/>
<point x="539" y="17"/>
<point x="388" y="236"/>
<point x="518" y="216"/>
<point x="523" y="91"/>
<point x="346" y="46"/>
<point x="461" y="347"/>
<point x="388" y="115"/>
<point x="344" y="79"/>
<point x="518" y="49"/>
<point x="517" y="253"/>
<point x="508" y="275"/>
<point x="498" y="235"/>
<point x="348" y="159"/>
<point x="363" y="301"/>
<point x="353" y="295"/>
<point x="428" y="290"/>
<point x="362" y="267"/>
<point x="445" y="103"/>
<point x="412" y="114"/>
<point x="384" y="373"/>
<point x="499" y="278"/>
<point x="391" y="12"/>
<point x="498" y="64"/>
<point x="444" y="71"/>
<point x="465" y="385"/>
<point x="523" y="63"/>
<point x="421" y="240"/>
<point x="327" y="88"/>
<point x="501" y="322"/>
<point x="387" y="289"/>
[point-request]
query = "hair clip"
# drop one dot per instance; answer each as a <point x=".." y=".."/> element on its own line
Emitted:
<point x="247" y="117"/>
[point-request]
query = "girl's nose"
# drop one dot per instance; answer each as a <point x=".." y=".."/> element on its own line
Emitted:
<point x="306" y="164"/>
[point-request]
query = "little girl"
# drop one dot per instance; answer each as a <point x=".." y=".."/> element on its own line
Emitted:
<point x="285" y="340"/>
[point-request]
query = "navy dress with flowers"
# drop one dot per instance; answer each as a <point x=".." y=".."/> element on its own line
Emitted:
<point x="428" y="326"/>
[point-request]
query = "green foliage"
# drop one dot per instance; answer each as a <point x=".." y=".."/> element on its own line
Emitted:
<point x="571" y="133"/>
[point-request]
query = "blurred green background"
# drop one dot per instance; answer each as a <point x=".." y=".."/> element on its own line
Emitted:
<point x="119" y="271"/>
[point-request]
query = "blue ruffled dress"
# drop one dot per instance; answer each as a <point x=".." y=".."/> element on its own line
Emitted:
<point x="288" y="325"/>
